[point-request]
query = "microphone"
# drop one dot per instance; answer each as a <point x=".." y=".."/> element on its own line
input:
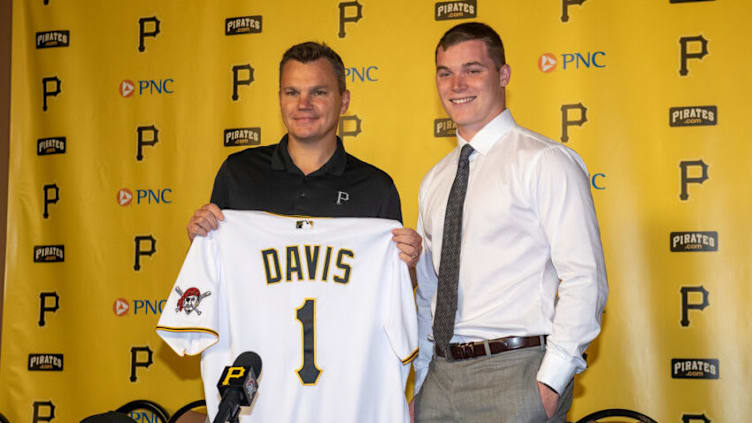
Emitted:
<point x="237" y="386"/>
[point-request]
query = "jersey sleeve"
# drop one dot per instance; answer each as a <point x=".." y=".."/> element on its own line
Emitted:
<point x="189" y="321"/>
<point x="401" y="321"/>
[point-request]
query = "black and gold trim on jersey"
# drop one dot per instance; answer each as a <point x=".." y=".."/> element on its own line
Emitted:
<point x="410" y="357"/>
<point x="188" y="329"/>
<point x="308" y="372"/>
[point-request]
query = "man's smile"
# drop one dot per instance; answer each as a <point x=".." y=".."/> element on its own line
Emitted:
<point x="462" y="100"/>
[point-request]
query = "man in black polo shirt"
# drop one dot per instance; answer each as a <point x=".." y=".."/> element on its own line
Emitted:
<point x="308" y="172"/>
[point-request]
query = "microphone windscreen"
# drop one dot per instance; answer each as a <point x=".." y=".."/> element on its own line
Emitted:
<point x="249" y="359"/>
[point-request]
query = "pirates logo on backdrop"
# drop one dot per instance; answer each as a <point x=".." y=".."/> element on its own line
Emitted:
<point x="235" y="137"/>
<point x="349" y="12"/>
<point x="52" y="145"/>
<point x="242" y="75"/>
<point x="49" y="302"/>
<point x="44" y="411"/>
<point x="140" y="240"/>
<point x="141" y="356"/>
<point x="686" y="305"/>
<point x="46" y="362"/>
<point x="693" y="48"/>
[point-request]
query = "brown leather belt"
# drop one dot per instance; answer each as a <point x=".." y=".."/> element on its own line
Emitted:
<point x="492" y="346"/>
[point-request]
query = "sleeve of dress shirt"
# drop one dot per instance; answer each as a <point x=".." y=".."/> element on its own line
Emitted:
<point x="561" y="193"/>
<point x="427" y="284"/>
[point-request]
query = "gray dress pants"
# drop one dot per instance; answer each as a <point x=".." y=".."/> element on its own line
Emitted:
<point x="500" y="388"/>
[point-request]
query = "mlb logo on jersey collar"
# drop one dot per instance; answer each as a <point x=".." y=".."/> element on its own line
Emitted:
<point x="304" y="224"/>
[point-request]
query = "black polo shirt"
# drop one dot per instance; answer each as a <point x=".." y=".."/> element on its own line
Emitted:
<point x="265" y="178"/>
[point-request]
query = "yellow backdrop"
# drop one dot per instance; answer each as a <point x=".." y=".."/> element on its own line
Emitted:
<point x="123" y="111"/>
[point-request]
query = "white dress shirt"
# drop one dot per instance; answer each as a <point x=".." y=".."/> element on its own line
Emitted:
<point x="529" y="232"/>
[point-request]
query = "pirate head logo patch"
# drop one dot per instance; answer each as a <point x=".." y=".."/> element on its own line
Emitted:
<point x="190" y="300"/>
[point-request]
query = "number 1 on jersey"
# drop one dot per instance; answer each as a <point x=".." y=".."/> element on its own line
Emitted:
<point x="306" y="315"/>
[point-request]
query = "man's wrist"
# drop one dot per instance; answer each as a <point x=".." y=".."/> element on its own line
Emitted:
<point x="549" y="387"/>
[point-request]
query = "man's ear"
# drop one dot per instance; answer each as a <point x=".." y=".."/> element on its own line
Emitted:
<point x="505" y="72"/>
<point x="345" y="102"/>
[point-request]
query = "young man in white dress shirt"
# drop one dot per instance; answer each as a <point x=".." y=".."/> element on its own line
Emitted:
<point x="532" y="280"/>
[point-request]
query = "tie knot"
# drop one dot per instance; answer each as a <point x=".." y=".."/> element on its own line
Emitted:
<point x="465" y="153"/>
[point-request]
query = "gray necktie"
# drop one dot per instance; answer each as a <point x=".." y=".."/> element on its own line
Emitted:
<point x="449" y="268"/>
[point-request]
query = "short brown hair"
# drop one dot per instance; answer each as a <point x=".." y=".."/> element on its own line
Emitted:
<point x="311" y="51"/>
<point x="475" y="31"/>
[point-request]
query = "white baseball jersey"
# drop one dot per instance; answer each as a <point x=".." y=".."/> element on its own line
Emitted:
<point x="325" y="302"/>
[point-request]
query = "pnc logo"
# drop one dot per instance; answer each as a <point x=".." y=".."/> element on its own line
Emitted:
<point x="362" y="74"/>
<point x="547" y="62"/>
<point x="146" y="86"/>
<point x="126" y="88"/>
<point x="120" y="307"/>
<point x="124" y="196"/>
<point x="144" y="196"/>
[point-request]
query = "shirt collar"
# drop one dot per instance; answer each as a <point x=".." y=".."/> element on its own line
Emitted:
<point x="336" y="164"/>
<point x="490" y="134"/>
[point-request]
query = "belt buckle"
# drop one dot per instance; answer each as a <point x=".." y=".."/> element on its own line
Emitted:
<point x="445" y="353"/>
<point x="508" y="343"/>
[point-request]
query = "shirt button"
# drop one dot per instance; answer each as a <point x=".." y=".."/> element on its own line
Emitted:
<point x="302" y="195"/>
